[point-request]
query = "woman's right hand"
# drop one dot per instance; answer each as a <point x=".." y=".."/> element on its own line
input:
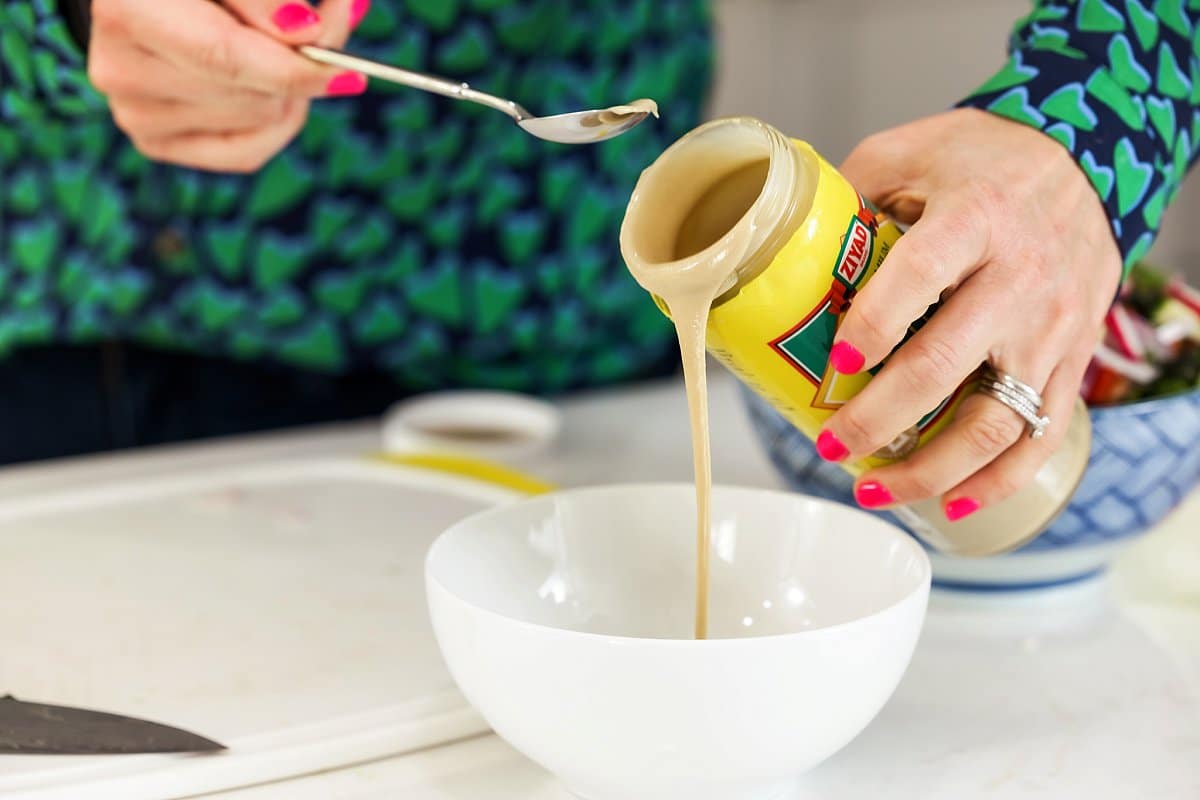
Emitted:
<point x="216" y="86"/>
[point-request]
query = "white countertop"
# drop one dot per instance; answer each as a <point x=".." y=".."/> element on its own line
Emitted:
<point x="1091" y="691"/>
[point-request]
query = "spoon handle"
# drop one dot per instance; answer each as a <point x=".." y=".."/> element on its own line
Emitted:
<point x="416" y="80"/>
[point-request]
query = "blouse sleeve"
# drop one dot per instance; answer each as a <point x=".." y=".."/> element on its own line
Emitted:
<point x="43" y="73"/>
<point x="1117" y="82"/>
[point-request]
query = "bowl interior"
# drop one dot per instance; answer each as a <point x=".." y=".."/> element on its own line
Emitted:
<point x="621" y="561"/>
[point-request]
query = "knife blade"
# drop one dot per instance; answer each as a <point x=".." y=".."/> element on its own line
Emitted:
<point x="39" y="728"/>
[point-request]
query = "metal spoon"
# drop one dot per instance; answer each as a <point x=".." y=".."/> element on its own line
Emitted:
<point x="576" y="127"/>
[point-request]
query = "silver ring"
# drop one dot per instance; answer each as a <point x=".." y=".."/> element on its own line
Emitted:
<point x="1017" y="395"/>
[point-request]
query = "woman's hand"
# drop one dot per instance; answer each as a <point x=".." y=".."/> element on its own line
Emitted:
<point x="1008" y="230"/>
<point x="216" y="86"/>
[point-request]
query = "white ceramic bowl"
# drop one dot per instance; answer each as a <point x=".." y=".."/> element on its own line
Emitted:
<point x="566" y="621"/>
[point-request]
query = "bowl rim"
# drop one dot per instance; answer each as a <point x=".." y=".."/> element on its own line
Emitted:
<point x="922" y="587"/>
<point x="1145" y="404"/>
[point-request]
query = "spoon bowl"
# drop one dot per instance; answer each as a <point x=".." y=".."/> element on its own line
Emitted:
<point x="582" y="127"/>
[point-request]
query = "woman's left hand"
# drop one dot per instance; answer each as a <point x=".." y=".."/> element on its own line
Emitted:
<point x="1009" y="232"/>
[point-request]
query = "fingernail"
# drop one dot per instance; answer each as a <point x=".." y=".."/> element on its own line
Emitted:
<point x="962" y="507"/>
<point x="845" y="358"/>
<point x="293" y="17"/>
<point x="872" y="494"/>
<point x="346" y="83"/>
<point x="830" y="448"/>
<point x="358" y="10"/>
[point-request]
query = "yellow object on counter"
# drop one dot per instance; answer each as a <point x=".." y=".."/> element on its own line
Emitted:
<point x="474" y="468"/>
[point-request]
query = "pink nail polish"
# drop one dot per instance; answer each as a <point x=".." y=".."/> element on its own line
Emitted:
<point x="872" y="494"/>
<point x="830" y="448"/>
<point x="962" y="507"/>
<point x="292" y="17"/>
<point x="346" y="83"/>
<point x="358" y="10"/>
<point x="845" y="358"/>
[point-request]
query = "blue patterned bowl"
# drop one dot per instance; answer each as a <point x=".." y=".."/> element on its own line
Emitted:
<point x="1145" y="459"/>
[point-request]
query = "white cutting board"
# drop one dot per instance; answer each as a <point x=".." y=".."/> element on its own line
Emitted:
<point x="277" y="608"/>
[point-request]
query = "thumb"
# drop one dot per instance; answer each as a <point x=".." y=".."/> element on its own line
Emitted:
<point x="879" y="169"/>
<point x="289" y="21"/>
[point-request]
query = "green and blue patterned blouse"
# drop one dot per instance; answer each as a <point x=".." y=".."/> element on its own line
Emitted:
<point x="402" y="232"/>
<point x="1117" y="82"/>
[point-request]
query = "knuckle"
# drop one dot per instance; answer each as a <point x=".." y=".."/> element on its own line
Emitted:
<point x="1005" y="483"/>
<point x="988" y="435"/>
<point x="919" y="485"/>
<point x="1066" y="311"/>
<point x="218" y="57"/>
<point x="253" y="157"/>
<point x="984" y="199"/>
<point x="294" y="81"/>
<point x="855" y="431"/>
<point x="922" y="487"/>
<point x="928" y="274"/>
<point x="269" y="113"/>
<point x="294" y="116"/>
<point x="153" y="149"/>
<point x="1068" y="326"/>
<point x="248" y="160"/>
<point x="258" y="161"/>
<point x="280" y="113"/>
<point x="246" y="164"/>
<point x="1025" y="278"/>
<point x="930" y="361"/>
<point x="1033" y="265"/>
<point x="977" y="208"/>
<point x="102" y="72"/>
<point x="917" y="250"/>
<point x="929" y="254"/>
<point x="125" y="119"/>
<point x="873" y="330"/>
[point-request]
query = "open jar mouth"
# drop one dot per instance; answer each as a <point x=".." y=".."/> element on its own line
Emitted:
<point x="672" y="217"/>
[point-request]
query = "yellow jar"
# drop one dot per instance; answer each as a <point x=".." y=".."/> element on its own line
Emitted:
<point x="812" y="242"/>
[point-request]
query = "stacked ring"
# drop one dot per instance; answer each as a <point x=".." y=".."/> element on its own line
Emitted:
<point x="1017" y="395"/>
